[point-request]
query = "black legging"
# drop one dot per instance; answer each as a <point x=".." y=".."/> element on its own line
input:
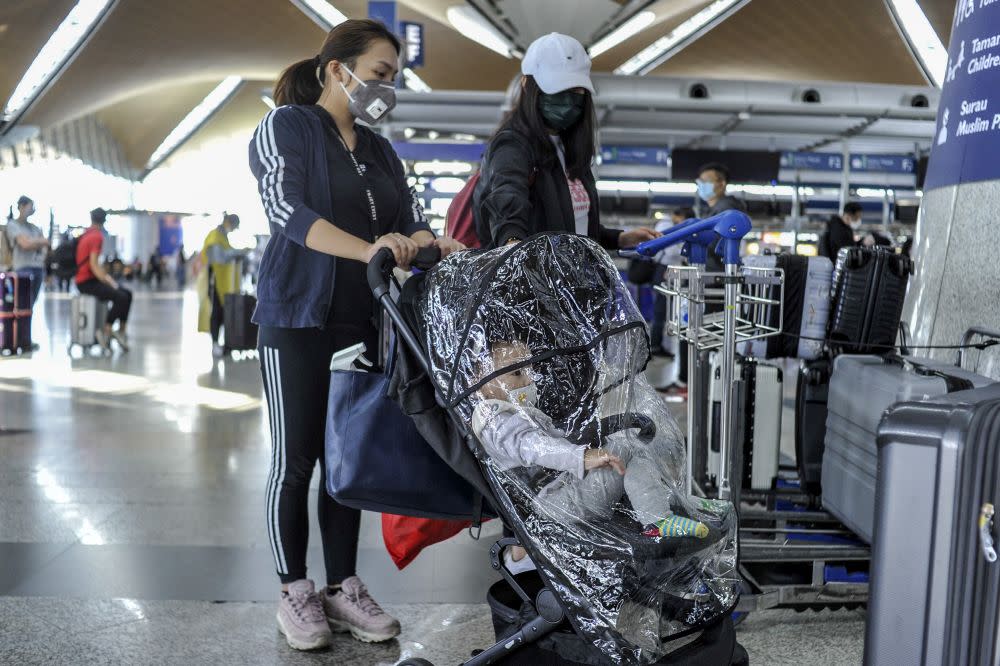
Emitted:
<point x="218" y="314"/>
<point x="121" y="298"/>
<point x="295" y="367"/>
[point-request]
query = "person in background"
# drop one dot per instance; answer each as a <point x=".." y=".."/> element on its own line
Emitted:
<point x="221" y="258"/>
<point x="671" y="256"/>
<point x="92" y="279"/>
<point x="907" y="248"/>
<point x="30" y="248"/>
<point x="536" y="175"/>
<point x="181" y="268"/>
<point x="155" y="268"/>
<point x="712" y="184"/>
<point x="840" y="231"/>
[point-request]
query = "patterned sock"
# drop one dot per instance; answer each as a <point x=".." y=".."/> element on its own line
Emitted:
<point x="675" y="526"/>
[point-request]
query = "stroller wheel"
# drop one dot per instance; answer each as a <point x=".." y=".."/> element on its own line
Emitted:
<point x="415" y="662"/>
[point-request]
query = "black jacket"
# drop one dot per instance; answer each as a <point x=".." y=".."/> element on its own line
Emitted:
<point x="520" y="194"/>
<point x="838" y="234"/>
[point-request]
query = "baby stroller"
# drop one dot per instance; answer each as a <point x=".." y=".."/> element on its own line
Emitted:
<point x="606" y="590"/>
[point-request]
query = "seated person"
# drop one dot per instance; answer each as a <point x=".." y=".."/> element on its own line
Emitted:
<point x="515" y="433"/>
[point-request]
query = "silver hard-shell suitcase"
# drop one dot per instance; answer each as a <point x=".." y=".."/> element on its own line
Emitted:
<point x="935" y="590"/>
<point x="87" y="313"/>
<point x="861" y="389"/>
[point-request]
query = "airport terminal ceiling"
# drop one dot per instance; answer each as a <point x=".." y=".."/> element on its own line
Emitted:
<point x="150" y="62"/>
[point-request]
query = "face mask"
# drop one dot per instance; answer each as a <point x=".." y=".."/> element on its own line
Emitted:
<point x="706" y="190"/>
<point x="371" y="100"/>
<point x="856" y="224"/>
<point x="526" y="396"/>
<point x="562" y="110"/>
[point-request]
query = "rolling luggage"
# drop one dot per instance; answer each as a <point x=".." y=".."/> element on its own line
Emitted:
<point x="761" y="427"/>
<point x="861" y="389"/>
<point x="87" y="314"/>
<point x="935" y="592"/>
<point x="805" y="311"/>
<point x="869" y="288"/>
<point x="15" y="313"/>
<point x="811" y="393"/>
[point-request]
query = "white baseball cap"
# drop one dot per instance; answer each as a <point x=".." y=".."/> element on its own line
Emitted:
<point x="558" y="62"/>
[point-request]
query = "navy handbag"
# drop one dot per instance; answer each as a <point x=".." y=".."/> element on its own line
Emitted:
<point x="377" y="461"/>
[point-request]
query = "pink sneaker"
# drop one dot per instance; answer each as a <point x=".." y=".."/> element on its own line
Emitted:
<point x="301" y="619"/>
<point x="352" y="609"/>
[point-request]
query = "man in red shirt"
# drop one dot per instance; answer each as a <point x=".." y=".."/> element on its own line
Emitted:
<point x="91" y="278"/>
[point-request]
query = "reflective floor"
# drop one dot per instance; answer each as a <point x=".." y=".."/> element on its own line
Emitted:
<point x="131" y="530"/>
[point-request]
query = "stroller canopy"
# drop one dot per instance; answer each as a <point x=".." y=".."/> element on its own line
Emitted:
<point x="540" y="350"/>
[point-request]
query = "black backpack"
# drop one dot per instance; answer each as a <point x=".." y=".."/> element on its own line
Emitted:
<point x="64" y="258"/>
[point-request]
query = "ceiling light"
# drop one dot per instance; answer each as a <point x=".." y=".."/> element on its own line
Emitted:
<point x="433" y="135"/>
<point x="469" y="23"/>
<point x="198" y="116"/>
<point x="409" y="132"/>
<point x="437" y="167"/>
<point x="743" y="115"/>
<point x="629" y="28"/>
<point x="81" y="22"/>
<point x="459" y="136"/>
<point x="662" y="49"/>
<point x="268" y="100"/>
<point x="321" y="12"/>
<point x="920" y="38"/>
<point x="414" y="82"/>
<point x="447" y="185"/>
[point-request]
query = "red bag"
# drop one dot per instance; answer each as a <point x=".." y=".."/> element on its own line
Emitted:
<point x="406" y="536"/>
<point x="460" y="221"/>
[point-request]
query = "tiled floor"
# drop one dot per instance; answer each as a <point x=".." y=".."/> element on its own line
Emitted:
<point x="131" y="530"/>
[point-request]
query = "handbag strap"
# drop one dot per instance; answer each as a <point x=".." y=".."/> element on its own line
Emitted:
<point x="477" y="515"/>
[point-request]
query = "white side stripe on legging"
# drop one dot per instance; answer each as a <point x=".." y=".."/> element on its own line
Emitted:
<point x="278" y="458"/>
<point x="269" y="392"/>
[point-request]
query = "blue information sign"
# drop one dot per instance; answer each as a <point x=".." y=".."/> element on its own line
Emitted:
<point x="812" y="161"/>
<point x="883" y="163"/>
<point x="384" y="11"/>
<point x="967" y="132"/>
<point x="413" y="43"/>
<point x="644" y="155"/>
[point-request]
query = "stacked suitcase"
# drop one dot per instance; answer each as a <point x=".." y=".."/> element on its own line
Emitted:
<point x="805" y="307"/>
<point x="869" y="288"/>
<point x="935" y="596"/>
<point x="15" y="313"/>
<point x="237" y="309"/>
<point x="861" y="389"/>
<point x="761" y="401"/>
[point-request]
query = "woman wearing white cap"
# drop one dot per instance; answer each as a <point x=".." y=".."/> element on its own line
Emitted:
<point x="536" y="175"/>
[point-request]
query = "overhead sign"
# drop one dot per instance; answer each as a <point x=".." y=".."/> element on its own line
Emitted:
<point x="884" y="163"/>
<point x="644" y="155"/>
<point x="384" y="11"/>
<point x="967" y="134"/>
<point x="413" y="43"/>
<point x="812" y="161"/>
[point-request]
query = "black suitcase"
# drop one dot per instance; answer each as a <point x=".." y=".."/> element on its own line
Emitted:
<point x="241" y="332"/>
<point x="811" y="393"/>
<point x="935" y="593"/>
<point x="869" y="288"/>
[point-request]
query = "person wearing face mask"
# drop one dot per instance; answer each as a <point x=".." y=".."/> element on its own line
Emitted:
<point x="536" y="174"/>
<point x="335" y="194"/>
<point x="840" y="230"/>
<point x="29" y="247"/>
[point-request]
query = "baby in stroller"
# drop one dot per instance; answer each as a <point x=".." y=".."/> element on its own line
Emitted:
<point x="592" y="480"/>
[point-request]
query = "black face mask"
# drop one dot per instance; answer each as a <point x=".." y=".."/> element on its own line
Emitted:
<point x="562" y="110"/>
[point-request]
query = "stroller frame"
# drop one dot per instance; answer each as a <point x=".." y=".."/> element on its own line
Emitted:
<point x="550" y="613"/>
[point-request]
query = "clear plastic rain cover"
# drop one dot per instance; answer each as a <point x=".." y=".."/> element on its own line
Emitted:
<point x="540" y="349"/>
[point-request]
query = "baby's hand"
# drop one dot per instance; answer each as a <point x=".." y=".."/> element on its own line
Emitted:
<point x="597" y="458"/>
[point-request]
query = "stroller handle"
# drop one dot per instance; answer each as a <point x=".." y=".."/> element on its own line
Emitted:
<point x="384" y="261"/>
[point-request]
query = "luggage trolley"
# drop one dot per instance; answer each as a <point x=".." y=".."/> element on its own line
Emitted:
<point x="790" y="557"/>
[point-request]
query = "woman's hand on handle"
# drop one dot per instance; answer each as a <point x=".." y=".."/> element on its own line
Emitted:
<point x="633" y="237"/>
<point x="597" y="458"/>
<point x="404" y="249"/>
<point x="448" y="245"/>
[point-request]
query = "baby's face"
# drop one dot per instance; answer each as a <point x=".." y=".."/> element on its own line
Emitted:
<point x="505" y="355"/>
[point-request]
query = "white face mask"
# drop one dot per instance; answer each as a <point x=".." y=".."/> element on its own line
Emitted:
<point x="856" y="223"/>
<point x="525" y="396"/>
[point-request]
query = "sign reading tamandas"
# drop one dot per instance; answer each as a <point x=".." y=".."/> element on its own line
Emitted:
<point x="967" y="133"/>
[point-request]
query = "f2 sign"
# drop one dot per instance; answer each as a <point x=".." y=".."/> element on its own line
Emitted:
<point x="413" y="41"/>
